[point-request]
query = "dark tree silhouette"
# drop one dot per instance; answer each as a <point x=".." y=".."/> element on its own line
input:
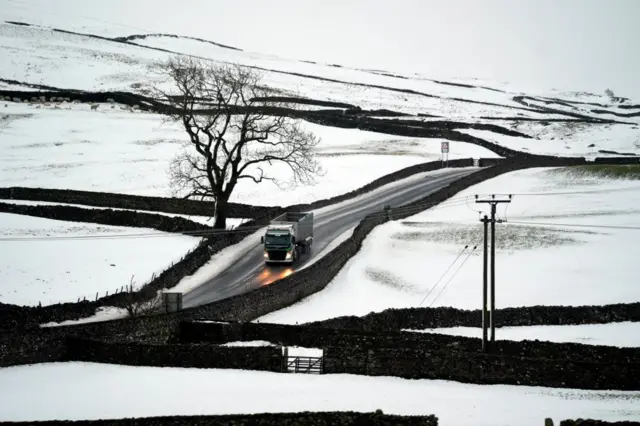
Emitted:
<point x="233" y="134"/>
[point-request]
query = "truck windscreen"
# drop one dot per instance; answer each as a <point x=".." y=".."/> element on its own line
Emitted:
<point x="277" y="239"/>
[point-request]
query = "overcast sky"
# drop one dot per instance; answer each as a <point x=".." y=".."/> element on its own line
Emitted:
<point x="569" y="44"/>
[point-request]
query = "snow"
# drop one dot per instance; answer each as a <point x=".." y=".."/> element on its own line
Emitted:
<point x="567" y="139"/>
<point x="292" y="351"/>
<point x="38" y="265"/>
<point x="105" y="313"/>
<point x="620" y="334"/>
<point x="123" y="391"/>
<point x="252" y="343"/>
<point x="104" y="150"/>
<point x="403" y="262"/>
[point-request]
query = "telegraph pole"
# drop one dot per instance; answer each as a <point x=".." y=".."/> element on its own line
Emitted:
<point x="493" y="202"/>
<point x="485" y="222"/>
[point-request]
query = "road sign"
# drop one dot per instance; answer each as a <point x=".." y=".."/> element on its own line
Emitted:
<point x="444" y="147"/>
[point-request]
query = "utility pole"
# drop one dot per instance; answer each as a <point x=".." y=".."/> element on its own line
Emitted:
<point x="493" y="202"/>
<point x="485" y="222"/>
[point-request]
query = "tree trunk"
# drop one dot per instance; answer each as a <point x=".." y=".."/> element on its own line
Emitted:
<point x="222" y="210"/>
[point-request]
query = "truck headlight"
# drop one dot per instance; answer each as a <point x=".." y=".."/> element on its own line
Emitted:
<point x="289" y="255"/>
<point x="265" y="255"/>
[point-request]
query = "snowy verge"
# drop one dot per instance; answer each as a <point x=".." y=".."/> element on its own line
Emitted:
<point x="103" y="313"/>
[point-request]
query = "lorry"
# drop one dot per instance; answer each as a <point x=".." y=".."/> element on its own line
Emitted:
<point x="287" y="237"/>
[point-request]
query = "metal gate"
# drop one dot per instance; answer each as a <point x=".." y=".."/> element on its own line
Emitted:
<point x="303" y="364"/>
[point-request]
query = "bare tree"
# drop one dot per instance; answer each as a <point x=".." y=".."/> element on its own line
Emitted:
<point x="137" y="308"/>
<point x="235" y="131"/>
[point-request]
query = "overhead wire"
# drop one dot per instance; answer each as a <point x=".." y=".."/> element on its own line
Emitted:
<point x="455" y="273"/>
<point x="443" y="275"/>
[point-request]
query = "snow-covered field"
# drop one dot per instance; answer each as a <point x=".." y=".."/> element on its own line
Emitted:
<point x="558" y="255"/>
<point x="120" y="391"/>
<point x="49" y="261"/>
<point x="117" y="151"/>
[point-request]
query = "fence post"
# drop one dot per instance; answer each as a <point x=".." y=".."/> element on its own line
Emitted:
<point x="96" y="295"/>
<point x="548" y="422"/>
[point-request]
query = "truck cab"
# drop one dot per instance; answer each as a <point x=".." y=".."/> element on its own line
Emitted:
<point x="279" y="245"/>
<point x="287" y="236"/>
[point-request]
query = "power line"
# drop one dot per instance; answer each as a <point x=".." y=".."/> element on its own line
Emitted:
<point x="454" y="274"/>
<point x="442" y="276"/>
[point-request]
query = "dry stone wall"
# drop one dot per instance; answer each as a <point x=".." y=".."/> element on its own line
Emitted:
<point x="482" y="369"/>
<point x="130" y="202"/>
<point x="339" y="418"/>
<point x="423" y="318"/>
<point x="265" y="358"/>
<point x="434" y="356"/>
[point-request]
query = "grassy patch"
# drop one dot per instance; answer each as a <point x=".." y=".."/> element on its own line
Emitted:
<point x="606" y="171"/>
<point x="509" y="238"/>
<point x="388" y="279"/>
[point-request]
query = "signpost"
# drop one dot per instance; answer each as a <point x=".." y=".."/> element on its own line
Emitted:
<point x="444" y="151"/>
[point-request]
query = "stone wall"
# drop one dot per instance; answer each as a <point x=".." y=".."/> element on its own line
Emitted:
<point x="433" y="356"/>
<point x="592" y="422"/>
<point x="617" y="160"/>
<point x="338" y="418"/>
<point x="422" y="318"/>
<point x="482" y="368"/>
<point x="131" y="202"/>
<point x="265" y="358"/>
<point x="110" y="217"/>
<point x="190" y="332"/>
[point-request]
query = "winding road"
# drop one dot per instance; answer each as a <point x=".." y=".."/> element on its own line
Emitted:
<point x="249" y="272"/>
